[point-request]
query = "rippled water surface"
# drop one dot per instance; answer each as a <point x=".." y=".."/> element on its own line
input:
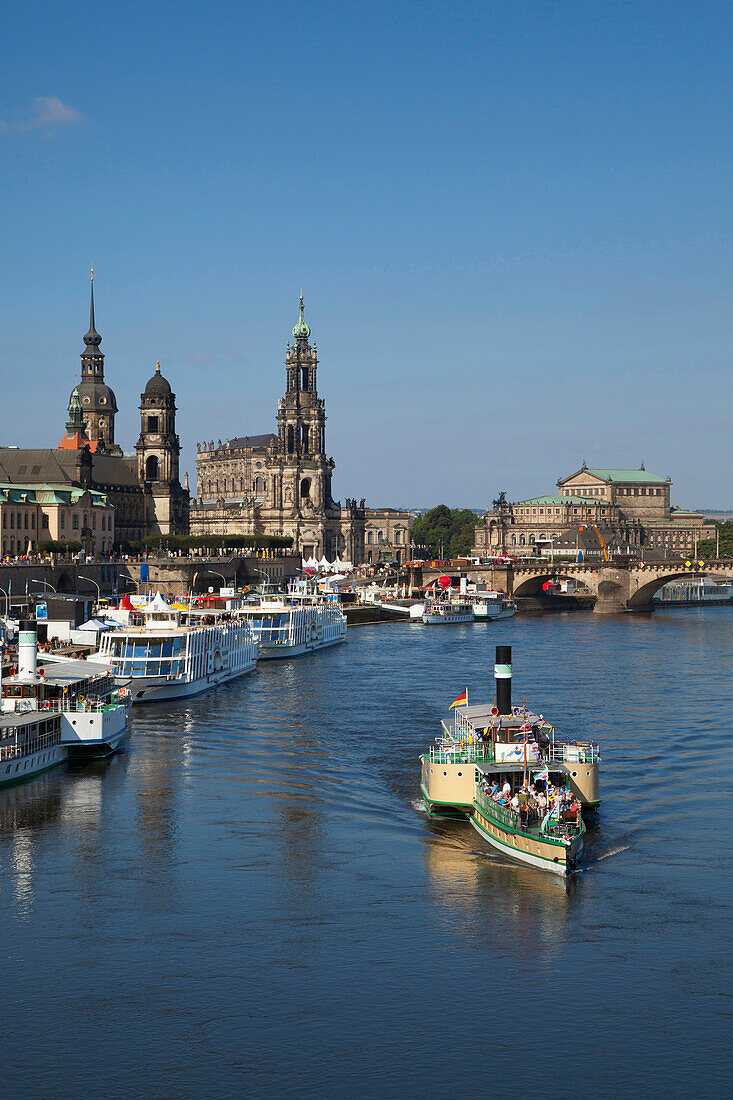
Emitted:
<point x="250" y="900"/>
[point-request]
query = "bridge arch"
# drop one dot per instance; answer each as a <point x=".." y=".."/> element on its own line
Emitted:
<point x="642" y="596"/>
<point x="531" y="585"/>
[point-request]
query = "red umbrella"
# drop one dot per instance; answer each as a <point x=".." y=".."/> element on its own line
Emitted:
<point x="445" y="582"/>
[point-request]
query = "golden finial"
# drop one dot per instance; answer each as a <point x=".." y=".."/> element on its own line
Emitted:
<point x="157" y="367"/>
<point x="92" y="274"/>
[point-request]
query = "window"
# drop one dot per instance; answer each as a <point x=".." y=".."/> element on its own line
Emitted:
<point x="370" y="537"/>
<point x="75" y="522"/>
<point x="94" y="522"/>
<point x="291" y="440"/>
<point x="260" y="486"/>
<point x="152" y="468"/>
<point x="63" y="521"/>
<point x="305" y="487"/>
<point x="25" y="520"/>
<point x="12" y="520"/>
<point x="152" y="423"/>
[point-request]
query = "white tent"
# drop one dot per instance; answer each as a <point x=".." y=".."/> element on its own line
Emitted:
<point x="93" y="624"/>
<point x="324" y="563"/>
<point x="157" y="606"/>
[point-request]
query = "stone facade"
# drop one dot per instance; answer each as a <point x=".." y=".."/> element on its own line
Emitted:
<point x="280" y="483"/>
<point x="631" y="506"/>
<point x="29" y="513"/>
<point x="387" y="535"/>
<point x="142" y="489"/>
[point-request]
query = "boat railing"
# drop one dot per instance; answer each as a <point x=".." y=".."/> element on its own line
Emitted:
<point x="76" y="706"/>
<point x="27" y="748"/>
<point x="572" y="752"/>
<point x="569" y="825"/>
<point x="459" y="752"/>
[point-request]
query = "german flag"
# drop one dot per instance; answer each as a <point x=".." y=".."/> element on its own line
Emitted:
<point x="461" y="701"/>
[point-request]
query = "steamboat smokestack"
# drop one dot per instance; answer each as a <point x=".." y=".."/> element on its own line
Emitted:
<point x="27" y="651"/>
<point x="503" y="678"/>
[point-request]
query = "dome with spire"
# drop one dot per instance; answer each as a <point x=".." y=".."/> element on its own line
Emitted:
<point x="301" y="330"/>
<point x="158" y="386"/>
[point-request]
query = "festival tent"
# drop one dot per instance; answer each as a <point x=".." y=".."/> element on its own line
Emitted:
<point x="95" y="625"/>
<point x="126" y="604"/>
<point x="157" y="606"/>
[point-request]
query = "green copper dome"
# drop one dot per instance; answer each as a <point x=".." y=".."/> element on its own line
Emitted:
<point x="301" y="330"/>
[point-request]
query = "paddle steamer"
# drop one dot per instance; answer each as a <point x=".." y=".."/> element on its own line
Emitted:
<point x="503" y="744"/>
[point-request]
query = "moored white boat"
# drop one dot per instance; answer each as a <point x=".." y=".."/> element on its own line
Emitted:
<point x="168" y="653"/>
<point x="439" y="612"/>
<point x="493" y="605"/>
<point x="60" y="710"/>
<point x="292" y="623"/>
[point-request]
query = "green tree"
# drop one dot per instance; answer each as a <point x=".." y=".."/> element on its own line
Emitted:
<point x="706" y="548"/>
<point x="449" y="528"/>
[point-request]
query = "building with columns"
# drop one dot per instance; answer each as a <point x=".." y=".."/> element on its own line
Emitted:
<point x="279" y="483"/>
<point x="631" y="506"/>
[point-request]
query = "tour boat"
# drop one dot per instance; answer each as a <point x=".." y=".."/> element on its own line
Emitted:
<point x="171" y="653"/>
<point x="441" y="611"/>
<point x="493" y="605"/>
<point x="289" y="624"/>
<point x="60" y="710"/>
<point x="501" y="744"/>
<point x="693" y="593"/>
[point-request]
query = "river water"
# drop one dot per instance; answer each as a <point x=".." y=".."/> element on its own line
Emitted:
<point x="250" y="900"/>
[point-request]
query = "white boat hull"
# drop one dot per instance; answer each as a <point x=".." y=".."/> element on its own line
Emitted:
<point x="25" y="767"/>
<point x="155" y="689"/>
<point x="445" y="620"/>
<point x="279" y="652"/>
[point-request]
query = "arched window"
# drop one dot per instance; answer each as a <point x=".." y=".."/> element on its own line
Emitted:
<point x="370" y="537"/>
<point x="152" y="468"/>
<point x="260" y="485"/>
<point x="521" y="540"/>
<point x="291" y="440"/>
<point x="514" y="540"/>
<point x="304" y="375"/>
<point x="305" y="487"/>
<point x="304" y="438"/>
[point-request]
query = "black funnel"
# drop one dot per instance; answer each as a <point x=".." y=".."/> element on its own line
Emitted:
<point x="503" y="679"/>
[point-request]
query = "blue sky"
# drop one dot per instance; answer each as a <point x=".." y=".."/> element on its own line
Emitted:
<point x="511" y="222"/>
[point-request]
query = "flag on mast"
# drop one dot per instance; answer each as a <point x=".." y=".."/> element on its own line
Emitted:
<point x="461" y="701"/>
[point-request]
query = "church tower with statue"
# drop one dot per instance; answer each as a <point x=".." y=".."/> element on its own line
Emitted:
<point x="279" y="483"/>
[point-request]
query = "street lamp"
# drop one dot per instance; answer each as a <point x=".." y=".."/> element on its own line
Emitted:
<point x="7" y="601"/>
<point x="38" y="580"/>
<point x="91" y="581"/>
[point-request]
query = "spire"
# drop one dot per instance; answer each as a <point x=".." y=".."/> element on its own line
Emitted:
<point x="157" y="367"/>
<point x="301" y="332"/>
<point x="75" y="423"/>
<point x="92" y="340"/>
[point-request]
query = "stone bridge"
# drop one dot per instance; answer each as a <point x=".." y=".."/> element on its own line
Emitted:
<point x="616" y="587"/>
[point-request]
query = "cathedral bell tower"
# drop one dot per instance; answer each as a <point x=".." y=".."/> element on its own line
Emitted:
<point x="97" y="400"/>
<point x="158" y="450"/>
<point x="301" y="416"/>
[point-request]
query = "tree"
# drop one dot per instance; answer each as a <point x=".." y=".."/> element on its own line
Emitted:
<point x="451" y="529"/>
<point x="706" y="548"/>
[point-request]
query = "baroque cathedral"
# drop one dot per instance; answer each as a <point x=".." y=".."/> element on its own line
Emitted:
<point x="279" y="483"/>
<point x="142" y="486"/>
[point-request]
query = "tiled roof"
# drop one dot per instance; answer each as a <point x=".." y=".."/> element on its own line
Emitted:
<point x="561" y="500"/>
<point x="636" y="477"/>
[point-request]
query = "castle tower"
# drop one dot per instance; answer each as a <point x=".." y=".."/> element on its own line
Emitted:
<point x="158" y="450"/>
<point x="76" y="436"/>
<point x="98" y="401"/>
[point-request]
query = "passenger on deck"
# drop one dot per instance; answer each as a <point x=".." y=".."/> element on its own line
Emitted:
<point x="506" y="790"/>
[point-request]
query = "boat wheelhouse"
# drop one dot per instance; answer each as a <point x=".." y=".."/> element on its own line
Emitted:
<point x="523" y="788"/>
<point x="289" y="624"/>
<point x="169" y="653"/>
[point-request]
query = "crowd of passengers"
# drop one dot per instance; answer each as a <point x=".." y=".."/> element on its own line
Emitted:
<point x="535" y="801"/>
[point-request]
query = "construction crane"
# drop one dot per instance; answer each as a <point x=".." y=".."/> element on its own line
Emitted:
<point x="600" y="537"/>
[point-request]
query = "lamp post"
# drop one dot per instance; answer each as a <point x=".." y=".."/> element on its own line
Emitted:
<point x="38" y="580"/>
<point x="91" y="581"/>
<point x="7" y="601"/>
